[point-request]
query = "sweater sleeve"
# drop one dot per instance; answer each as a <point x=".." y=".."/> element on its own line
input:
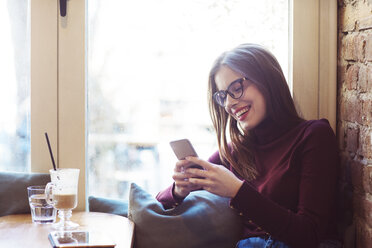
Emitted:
<point x="168" y="199"/>
<point x="304" y="227"/>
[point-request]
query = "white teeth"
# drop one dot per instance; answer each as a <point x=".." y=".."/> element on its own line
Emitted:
<point x="243" y="111"/>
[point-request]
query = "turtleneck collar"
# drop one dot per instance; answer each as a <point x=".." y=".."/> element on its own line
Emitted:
<point x="269" y="130"/>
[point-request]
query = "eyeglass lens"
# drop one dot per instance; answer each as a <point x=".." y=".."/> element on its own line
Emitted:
<point x="235" y="90"/>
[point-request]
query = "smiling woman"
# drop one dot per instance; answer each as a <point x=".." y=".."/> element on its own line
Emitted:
<point x="279" y="171"/>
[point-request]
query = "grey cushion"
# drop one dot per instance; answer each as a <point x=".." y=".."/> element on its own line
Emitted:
<point x="13" y="190"/>
<point x="202" y="220"/>
<point x="105" y="205"/>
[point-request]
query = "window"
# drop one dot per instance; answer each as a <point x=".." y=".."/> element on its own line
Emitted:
<point x="15" y="86"/>
<point x="147" y="80"/>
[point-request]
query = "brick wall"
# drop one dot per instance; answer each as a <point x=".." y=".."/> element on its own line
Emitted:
<point x="354" y="118"/>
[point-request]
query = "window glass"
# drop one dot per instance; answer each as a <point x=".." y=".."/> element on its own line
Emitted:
<point x="148" y="64"/>
<point x="14" y="85"/>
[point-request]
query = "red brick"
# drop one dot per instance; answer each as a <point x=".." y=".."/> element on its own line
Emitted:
<point x="367" y="112"/>
<point x="363" y="234"/>
<point x="368" y="48"/>
<point x="359" y="43"/>
<point x="352" y="74"/>
<point x="367" y="179"/>
<point x="346" y="167"/>
<point x="365" y="23"/>
<point x="357" y="176"/>
<point x="348" y="48"/>
<point x="347" y="23"/>
<point x="352" y="109"/>
<point x="342" y="108"/>
<point x="365" y="142"/>
<point x="352" y="139"/>
<point x="341" y="75"/>
<point x="369" y="77"/>
<point x="363" y="79"/>
<point x="363" y="208"/>
<point x="361" y="177"/>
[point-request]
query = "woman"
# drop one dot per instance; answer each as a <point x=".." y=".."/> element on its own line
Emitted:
<point x="279" y="170"/>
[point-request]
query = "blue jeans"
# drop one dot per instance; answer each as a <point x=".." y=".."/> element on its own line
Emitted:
<point x="257" y="242"/>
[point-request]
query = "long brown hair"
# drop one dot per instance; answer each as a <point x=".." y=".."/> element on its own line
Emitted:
<point x="261" y="67"/>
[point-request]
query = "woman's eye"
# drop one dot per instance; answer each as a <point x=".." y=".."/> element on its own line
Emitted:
<point x="235" y="89"/>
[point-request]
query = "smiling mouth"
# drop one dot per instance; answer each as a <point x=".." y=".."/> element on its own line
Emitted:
<point x="243" y="111"/>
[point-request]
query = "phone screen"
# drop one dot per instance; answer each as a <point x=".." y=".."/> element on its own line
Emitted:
<point x="79" y="239"/>
<point x="183" y="148"/>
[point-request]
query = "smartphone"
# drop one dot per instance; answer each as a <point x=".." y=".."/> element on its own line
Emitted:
<point x="183" y="148"/>
<point x="75" y="239"/>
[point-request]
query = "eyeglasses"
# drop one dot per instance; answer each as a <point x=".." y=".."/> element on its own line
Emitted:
<point x="235" y="90"/>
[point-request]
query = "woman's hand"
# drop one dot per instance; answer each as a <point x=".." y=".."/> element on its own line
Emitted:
<point x="214" y="178"/>
<point x="183" y="186"/>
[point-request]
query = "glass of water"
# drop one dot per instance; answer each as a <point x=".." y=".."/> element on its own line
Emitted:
<point x="41" y="211"/>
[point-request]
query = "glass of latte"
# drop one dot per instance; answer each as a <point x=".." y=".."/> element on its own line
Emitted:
<point x="61" y="193"/>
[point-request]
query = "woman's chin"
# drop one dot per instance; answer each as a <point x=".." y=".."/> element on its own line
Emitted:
<point x="247" y="126"/>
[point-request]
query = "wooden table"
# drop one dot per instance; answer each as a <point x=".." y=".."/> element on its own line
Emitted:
<point x="19" y="231"/>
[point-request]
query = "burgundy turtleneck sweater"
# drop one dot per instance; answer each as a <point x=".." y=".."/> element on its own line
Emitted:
<point x="293" y="198"/>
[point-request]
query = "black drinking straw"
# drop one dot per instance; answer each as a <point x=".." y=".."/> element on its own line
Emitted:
<point x="50" y="151"/>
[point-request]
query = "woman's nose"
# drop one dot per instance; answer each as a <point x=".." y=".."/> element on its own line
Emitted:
<point x="229" y="102"/>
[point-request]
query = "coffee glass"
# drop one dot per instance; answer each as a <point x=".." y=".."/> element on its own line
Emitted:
<point x="41" y="211"/>
<point x="61" y="193"/>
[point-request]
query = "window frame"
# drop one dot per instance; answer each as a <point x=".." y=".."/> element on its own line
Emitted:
<point x="44" y="87"/>
<point x="58" y="88"/>
<point x="58" y="81"/>
<point x="314" y="58"/>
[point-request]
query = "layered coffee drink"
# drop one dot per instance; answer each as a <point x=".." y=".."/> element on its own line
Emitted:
<point x="61" y="192"/>
<point x="65" y="201"/>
